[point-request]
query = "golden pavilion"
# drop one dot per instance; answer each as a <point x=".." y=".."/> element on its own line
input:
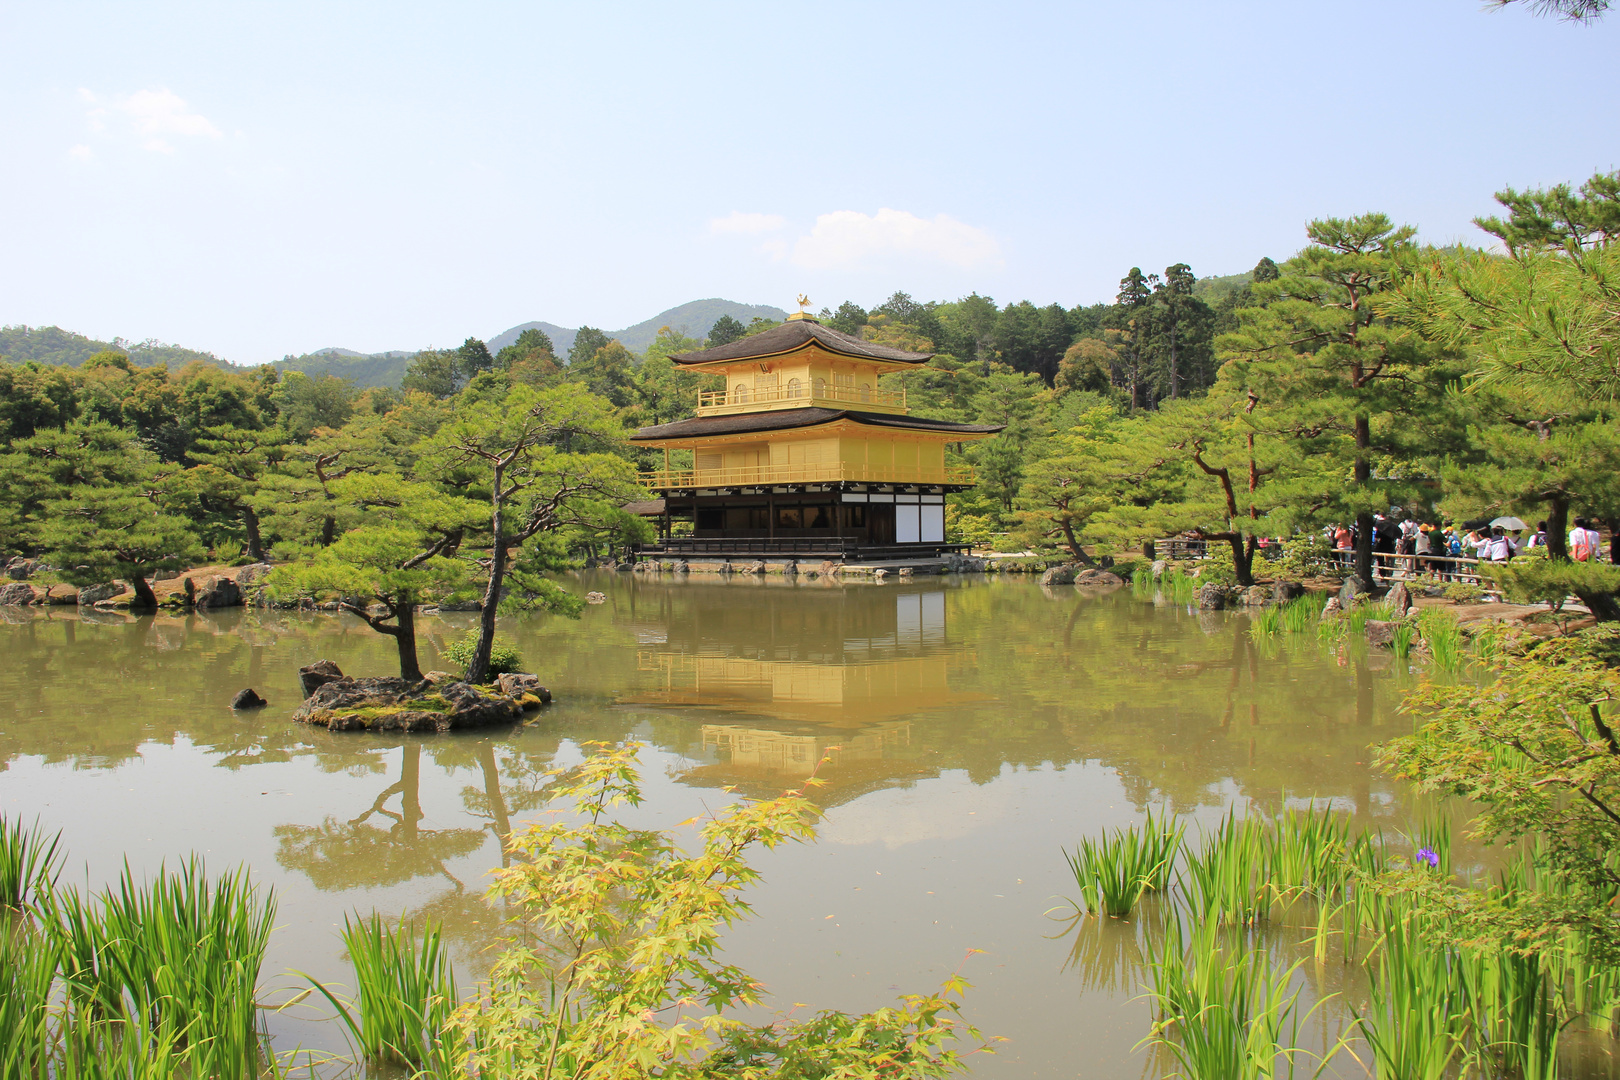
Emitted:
<point x="803" y="454"/>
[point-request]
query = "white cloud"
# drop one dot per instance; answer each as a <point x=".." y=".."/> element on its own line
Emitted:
<point x="81" y="152"/>
<point x="751" y="224"/>
<point x="850" y="240"/>
<point x="151" y="115"/>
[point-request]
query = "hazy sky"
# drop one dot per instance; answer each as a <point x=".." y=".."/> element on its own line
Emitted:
<point x="263" y="178"/>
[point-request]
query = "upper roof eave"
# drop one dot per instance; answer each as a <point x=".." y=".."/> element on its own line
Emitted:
<point x="796" y="334"/>
<point x="792" y="419"/>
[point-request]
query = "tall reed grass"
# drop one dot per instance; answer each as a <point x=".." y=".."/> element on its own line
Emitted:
<point x="1435" y="1008"/>
<point x="1421" y="1005"/>
<point x="1226" y="1011"/>
<point x="1442" y="636"/>
<point x="1301" y="615"/>
<point x="1178" y="587"/>
<point x="178" y="956"/>
<point x="29" y="864"/>
<point x="406" y="991"/>
<point x="1114" y="871"/>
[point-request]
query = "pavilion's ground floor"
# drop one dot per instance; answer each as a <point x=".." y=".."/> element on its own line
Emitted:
<point x="844" y="522"/>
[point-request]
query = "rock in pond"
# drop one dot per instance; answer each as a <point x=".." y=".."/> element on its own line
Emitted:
<point x="317" y="675"/>
<point x="16" y="594"/>
<point x="1094" y="578"/>
<point x="1380" y="633"/>
<point x="1399" y="599"/>
<point x="219" y="592"/>
<point x="248" y="699"/>
<point x="1060" y="575"/>
<point x="1284" y="591"/>
<point x="95" y="594"/>
<point x="519" y="685"/>
<point x="394" y="704"/>
<point x="1211" y="598"/>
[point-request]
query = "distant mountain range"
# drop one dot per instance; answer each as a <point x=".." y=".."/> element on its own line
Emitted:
<point x="387" y="369"/>
<point x="53" y="345"/>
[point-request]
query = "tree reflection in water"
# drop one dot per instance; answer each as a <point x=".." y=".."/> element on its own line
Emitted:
<point x="352" y="854"/>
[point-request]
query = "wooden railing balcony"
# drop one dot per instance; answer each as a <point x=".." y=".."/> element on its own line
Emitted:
<point x="740" y="400"/>
<point x="829" y="472"/>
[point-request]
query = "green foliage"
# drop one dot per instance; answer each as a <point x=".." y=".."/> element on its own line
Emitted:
<point x="1113" y="872"/>
<point x="504" y="657"/>
<point x="1304" y="556"/>
<point x="1540" y="318"/>
<point x="623" y="926"/>
<point x="405" y="994"/>
<point x="1552" y="581"/>
<point x="1535" y="750"/>
<point x="1442" y="636"/>
<point x="29" y="864"/>
<point x="1419" y="1012"/>
<point x="1463" y="592"/>
<point x="1225" y="1010"/>
<point x="179" y="953"/>
<point x="726" y="330"/>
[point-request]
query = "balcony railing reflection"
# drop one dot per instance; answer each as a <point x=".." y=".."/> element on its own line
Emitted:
<point x="817" y="473"/>
<point x="746" y="399"/>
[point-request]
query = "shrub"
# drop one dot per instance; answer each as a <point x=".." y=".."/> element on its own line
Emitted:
<point x="1303" y="557"/>
<point x="1462" y="592"/>
<point x="504" y="657"/>
<point x="618" y="972"/>
<point x="1217" y="570"/>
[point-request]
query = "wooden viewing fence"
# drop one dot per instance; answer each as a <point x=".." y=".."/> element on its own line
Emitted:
<point x="1408" y="567"/>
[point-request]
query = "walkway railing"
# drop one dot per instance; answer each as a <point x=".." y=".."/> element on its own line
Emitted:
<point x="816" y="473"/>
<point x="1388" y="565"/>
<point x="746" y="399"/>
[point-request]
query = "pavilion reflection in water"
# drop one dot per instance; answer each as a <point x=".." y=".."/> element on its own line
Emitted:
<point x="844" y="685"/>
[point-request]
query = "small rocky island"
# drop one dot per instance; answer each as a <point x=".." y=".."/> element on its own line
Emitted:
<point x="438" y="702"/>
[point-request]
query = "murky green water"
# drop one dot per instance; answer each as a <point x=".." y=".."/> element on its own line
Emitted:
<point x="974" y="726"/>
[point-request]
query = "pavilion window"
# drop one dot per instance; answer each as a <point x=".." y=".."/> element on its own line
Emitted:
<point x="795" y="388"/>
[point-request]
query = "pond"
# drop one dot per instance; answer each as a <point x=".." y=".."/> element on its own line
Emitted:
<point x="973" y="726"/>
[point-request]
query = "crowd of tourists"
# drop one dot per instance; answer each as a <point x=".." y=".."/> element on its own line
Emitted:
<point x="1448" y="548"/>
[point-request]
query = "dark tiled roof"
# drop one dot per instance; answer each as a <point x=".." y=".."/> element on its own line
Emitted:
<point x="645" y="507"/>
<point x="794" y="334"/>
<point x="786" y="419"/>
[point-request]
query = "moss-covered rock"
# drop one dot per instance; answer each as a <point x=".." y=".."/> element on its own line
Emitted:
<point x="391" y="704"/>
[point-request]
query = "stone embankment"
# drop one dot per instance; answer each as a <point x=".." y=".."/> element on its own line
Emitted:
<point x="202" y="588"/>
<point x="438" y="702"/>
<point x="1083" y="576"/>
<point x="809" y="569"/>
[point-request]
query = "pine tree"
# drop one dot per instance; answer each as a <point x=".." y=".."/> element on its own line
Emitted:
<point x="527" y="465"/>
<point x="1320" y="340"/>
<point x="725" y="330"/>
<point x="232" y="466"/>
<point x="400" y="557"/>
<point x="1132" y="315"/>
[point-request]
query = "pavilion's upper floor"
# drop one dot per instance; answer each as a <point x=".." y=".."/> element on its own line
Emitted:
<point x="800" y="364"/>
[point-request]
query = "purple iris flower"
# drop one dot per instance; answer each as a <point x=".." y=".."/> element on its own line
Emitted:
<point x="1427" y="856"/>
